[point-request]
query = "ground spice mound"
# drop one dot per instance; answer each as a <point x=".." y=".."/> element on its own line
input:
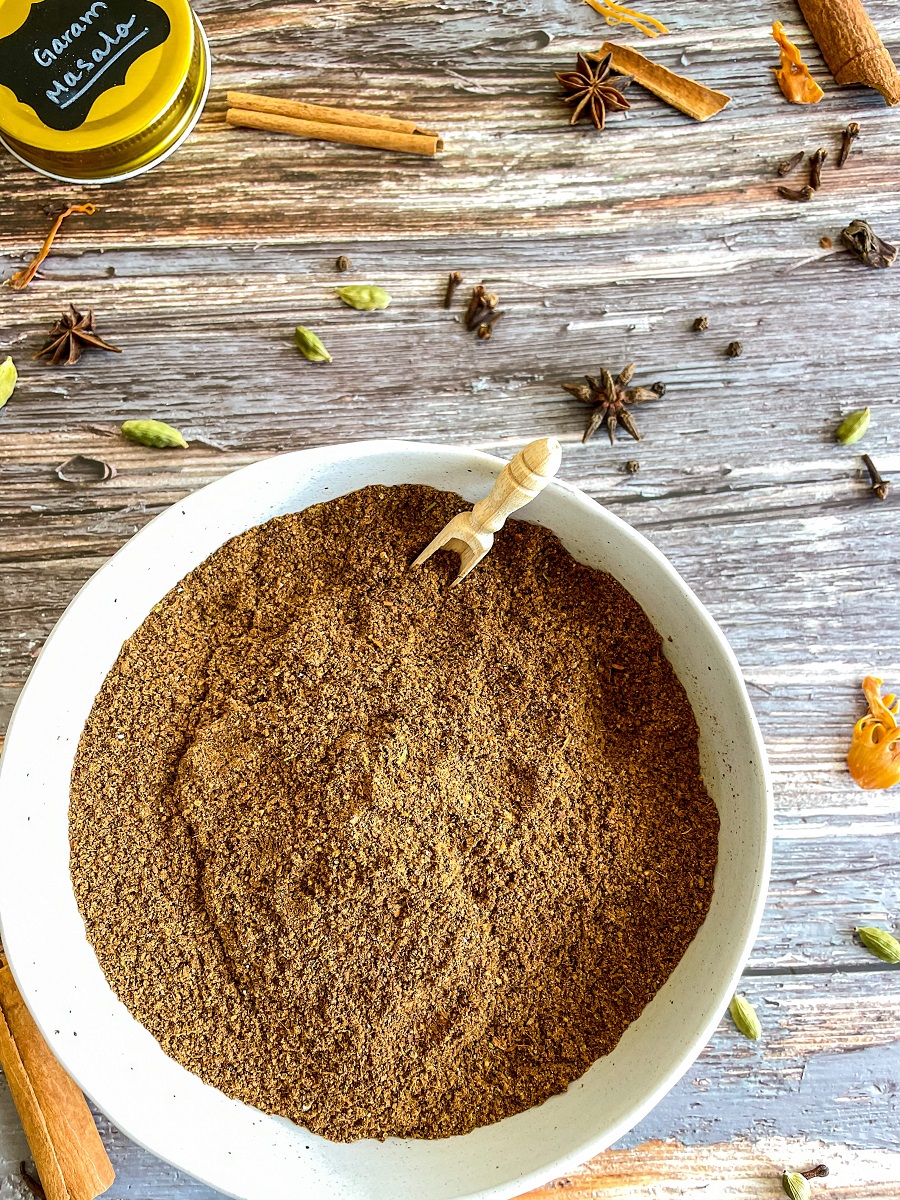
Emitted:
<point x="380" y="855"/>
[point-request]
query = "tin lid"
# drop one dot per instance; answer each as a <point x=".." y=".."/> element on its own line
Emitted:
<point x="77" y="75"/>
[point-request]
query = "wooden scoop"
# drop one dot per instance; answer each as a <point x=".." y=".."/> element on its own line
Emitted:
<point x="471" y="534"/>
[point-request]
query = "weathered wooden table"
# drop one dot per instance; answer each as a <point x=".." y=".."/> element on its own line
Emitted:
<point x="603" y="248"/>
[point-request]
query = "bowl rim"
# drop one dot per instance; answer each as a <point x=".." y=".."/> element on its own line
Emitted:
<point x="335" y="453"/>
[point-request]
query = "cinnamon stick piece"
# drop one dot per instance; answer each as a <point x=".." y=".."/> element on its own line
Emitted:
<point x="355" y="135"/>
<point x="851" y="46"/>
<point x="64" y="1141"/>
<point x="321" y="113"/>
<point x="685" y="94"/>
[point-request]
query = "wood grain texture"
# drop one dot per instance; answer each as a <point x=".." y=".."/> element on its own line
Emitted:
<point x="603" y="249"/>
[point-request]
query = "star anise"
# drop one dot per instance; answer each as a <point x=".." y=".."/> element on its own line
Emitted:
<point x="591" y="90"/>
<point x="71" y="335"/>
<point x="608" y="398"/>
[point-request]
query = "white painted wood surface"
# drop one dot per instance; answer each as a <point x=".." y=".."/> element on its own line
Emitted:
<point x="603" y="248"/>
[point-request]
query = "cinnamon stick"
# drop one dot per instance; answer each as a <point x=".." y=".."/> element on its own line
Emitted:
<point x="377" y="138"/>
<point x="321" y="113"/>
<point x="685" y="94"/>
<point x="851" y="46"/>
<point x="67" y="1150"/>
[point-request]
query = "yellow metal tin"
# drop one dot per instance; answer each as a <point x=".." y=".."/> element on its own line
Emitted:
<point x="97" y="90"/>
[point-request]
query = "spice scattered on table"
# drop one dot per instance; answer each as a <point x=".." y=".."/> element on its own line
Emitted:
<point x="851" y="45"/>
<point x="9" y="376"/>
<point x="880" y="487"/>
<point x="72" y="334"/>
<point x="685" y="94"/>
<point x="486" y="327"/>
<point x="874" y="755"/>
<point x="853" y="426"/>
<point x="790" y="164"/>
<point x="795" y="1186"/>
<point x="22" y="278"/>
<point x="482" y="312"/>
<point x="793" y="75"/>
<point x="819" y="1172"/>
<point x="734" y="349"/>
<point x="156" y="434"/>
<point x="343" y="263"/>
<point x="608" y="398"/>
<point x="700" y="325"/>
<point x="617" y="14"/>
<point x="323" y="123"/>
<point x="454" y="279"/>
<point x="594" y="90"/>
<point x="310" y="345"/>
<point x="330" y="866"/>
<point x="879" y="942"/>
<point x="864" y="243"/>
<point x="848" y="137"/>
<point x="815" y="168"/>
<point x="632" y="466"/>
<point x="744" y="1016"/>
<point x="81" y="469"/>
<point x="367" y="297"/>
<point x="802" y="195"/>
<point x="825" y="242"/>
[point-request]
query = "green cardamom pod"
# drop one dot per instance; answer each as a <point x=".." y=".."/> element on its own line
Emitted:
<point x="153" y="433"/>
<point x="853" y="427"/>
<point x="8" y="377"/>
<point x="880" y="942"/>
<point x="744" y="1016"/>
<point x="365" y="296"/>
<point x="310" y="346"/>
<point x="795" y="1186"/>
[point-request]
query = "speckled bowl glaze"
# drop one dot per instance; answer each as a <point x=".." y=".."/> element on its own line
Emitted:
<point x="237" y="1149"/>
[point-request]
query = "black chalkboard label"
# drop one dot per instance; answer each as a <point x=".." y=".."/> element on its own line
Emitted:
<point x="69" y="52"/>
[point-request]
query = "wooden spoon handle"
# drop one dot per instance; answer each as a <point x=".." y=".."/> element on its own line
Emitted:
<point x="519" y="481"/>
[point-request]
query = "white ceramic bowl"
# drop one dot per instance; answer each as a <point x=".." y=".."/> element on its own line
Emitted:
<point x="233" y="1147"/>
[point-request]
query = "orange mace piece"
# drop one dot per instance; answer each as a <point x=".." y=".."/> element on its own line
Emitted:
<point x="793" y="75"/>
<point x="874" y="755"/>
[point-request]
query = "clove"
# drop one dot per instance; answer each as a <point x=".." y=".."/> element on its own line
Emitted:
<point x="815" y="168"/>
<point x="848" y="137"/>
<point x="802" y="194"/>
<point x="789" y="164"/>
<point x="454" y="279"/>
<point x="880" y="486"/>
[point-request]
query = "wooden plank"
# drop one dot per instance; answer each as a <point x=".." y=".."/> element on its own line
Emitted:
<point x="485" y="79"/>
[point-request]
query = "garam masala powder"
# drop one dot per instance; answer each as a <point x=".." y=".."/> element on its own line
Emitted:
<point x="386" y="857"/>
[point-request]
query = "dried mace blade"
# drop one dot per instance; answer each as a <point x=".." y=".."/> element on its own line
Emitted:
<point x="72" y="334"/>
<point x="864" y="243"/>
<point x="594" y="90"/>
<point x="609" y="398"/>
<point x="22" y="278"/>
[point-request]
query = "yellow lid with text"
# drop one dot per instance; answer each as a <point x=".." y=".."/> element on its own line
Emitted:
<point x="82" y="76"/>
